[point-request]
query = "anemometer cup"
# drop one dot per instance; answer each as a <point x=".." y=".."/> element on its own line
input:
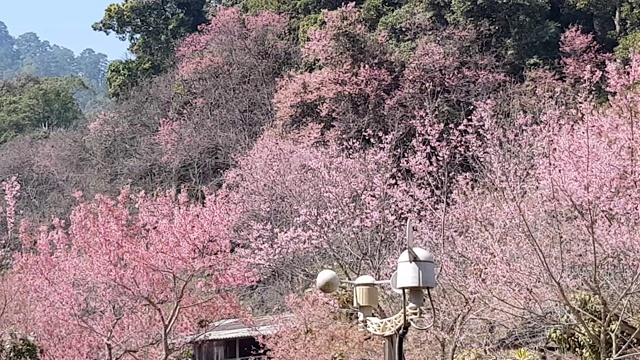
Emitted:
<point x="327" y="281"/>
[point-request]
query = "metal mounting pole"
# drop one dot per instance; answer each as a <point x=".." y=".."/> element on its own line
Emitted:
<point x="400" y="342"/>
<point x="389" y="348"/>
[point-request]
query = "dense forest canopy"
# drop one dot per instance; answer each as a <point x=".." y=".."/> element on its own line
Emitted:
<point x="250" y="144"/>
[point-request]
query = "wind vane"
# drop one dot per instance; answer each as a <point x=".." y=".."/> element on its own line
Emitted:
<point x="412" y="254"/>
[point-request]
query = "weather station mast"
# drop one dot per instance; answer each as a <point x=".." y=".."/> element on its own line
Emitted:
<point x="414" y="275"/>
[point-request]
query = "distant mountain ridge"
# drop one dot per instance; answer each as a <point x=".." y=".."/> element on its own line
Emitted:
<point x="27" y="53"/>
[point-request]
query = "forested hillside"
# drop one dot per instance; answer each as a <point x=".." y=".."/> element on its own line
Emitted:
<point x="28" y="55"/>
<point x="247" y="146"/>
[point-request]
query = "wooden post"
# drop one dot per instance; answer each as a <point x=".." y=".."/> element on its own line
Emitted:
<point x="389" y="348"/>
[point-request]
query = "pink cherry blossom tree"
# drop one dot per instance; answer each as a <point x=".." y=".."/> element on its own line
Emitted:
<point x="305" y="205"/>
<point x="10" y="190"/>
<point x="128" y="277"/>
<point x="316" y="328"/>
<point x="549" y="223"/>
<point x="227" y="72"/>
<point x="351" y="80"/>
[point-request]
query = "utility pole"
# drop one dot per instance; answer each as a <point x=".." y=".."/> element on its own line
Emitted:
<point x="389" y="347"/>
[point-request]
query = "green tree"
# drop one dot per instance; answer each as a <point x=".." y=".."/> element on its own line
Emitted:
<point x="605" y="15"/>
<point x="307" y="14"/>
<point x="33" y="53"/>
<point x="61" y="61"/>
<point x="519" y="30"/>
<point x="40" y="58"/>
<point x="615" y="23"/>
<point x="629" y="40"/>
<point x="29" y="103"/>
<point x="93" y="67"/>
<point x="9" y="56"/>
<point x="125" y="74"/>
<point x="152" y="28"/>
<point x="413" y="20"/>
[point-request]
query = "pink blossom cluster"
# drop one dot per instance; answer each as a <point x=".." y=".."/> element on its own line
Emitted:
<point x="127" y="276"/>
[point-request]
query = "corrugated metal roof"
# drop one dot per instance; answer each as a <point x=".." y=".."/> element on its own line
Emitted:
<point x="236" y="329"/>
<point x="235" y="334"/>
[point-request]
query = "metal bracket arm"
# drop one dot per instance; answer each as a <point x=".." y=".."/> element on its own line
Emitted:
<point x="391" y="325"/>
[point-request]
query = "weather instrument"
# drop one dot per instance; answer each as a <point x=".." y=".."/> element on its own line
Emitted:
<point x="414" y="275"/>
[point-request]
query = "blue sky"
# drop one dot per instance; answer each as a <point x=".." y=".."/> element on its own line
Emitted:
<point x="63" y="22"/>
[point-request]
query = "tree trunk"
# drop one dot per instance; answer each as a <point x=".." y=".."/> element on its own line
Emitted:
<point x="617" y="19"/>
